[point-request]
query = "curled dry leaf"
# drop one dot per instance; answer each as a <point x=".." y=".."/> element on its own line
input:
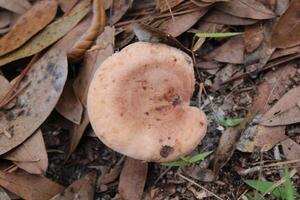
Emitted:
<point x="34" y="20"/>
<point x="291" y="150"/>
<point x="69" y="106"/>
<point x="285" y="32"/>
<point x="271" y="89"/>
<point x="84" y="189"/>
<point x="31" y="155"/>
<point x="87" y="39"/>
<point x="67" y="5"/>
<point x="285" y="111"/>
<point x="181" y="23"/>
<point x="252" y="9"/>
<point x="45" y="81"/>
<point x="133" y="179"/>
<point x="232" y="51"/>
<point x="29" y="186"/>
<point x="218" y="17"/>
<point x="253" y="37"/>
<point x="50" y="34"/>
<point x="17" y="6"/>
<point x="118" y="9"/>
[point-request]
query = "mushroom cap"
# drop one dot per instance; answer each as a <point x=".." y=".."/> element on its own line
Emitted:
<point x="138" y="103"/>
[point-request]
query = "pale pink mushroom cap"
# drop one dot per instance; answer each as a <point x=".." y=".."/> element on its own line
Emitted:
<point x="138" y="103"/>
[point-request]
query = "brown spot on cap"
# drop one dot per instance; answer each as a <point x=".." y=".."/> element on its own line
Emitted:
<point x="166" y="150"/>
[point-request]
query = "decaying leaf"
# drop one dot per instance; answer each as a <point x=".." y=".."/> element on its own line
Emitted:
<point x="50" y="34"/>
<point x="29" y="186"/>
<point x="45" y="81"/>
<point x="17" y="6"/>
<point x="291" y="150"/>
<point x="286" y="30"/>
<point x="132" y="179"/>
<point x="69" y="106"/>
<point x="34" y="20"/>
<point x="252" y="9"/>
<point x="218" y="17"/>
<point x="232" y="51"/>
<point x="84" y="189"/>
<point x="253" y="37"/>
<point x="67" y="5"/>
<point x="285" y="111"/>
<point x="31" y="155"/>
<point x="274" y="86"/>
<point x="181" y="23"/>
<point x="118" y="9"/>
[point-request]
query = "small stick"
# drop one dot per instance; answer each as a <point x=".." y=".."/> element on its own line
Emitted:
<point x="203" y="188"/>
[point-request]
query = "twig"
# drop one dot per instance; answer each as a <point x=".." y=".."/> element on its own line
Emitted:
<point x="162" y="174"/>
<point x="170" y="10"/>
<point x="203" y="188"/>
<point x="87" y="39"/>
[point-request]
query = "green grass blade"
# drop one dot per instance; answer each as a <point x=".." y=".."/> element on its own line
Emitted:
<point x="230" y="122"/>
<point x="288" y="186"/>
<point x="217" y="35"/>
<point x="178" y="163"/>
<point x="200" y="156"/>
<point x="264" y="186"/>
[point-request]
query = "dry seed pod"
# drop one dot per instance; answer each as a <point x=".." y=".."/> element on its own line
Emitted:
<point x="138" y="103"/>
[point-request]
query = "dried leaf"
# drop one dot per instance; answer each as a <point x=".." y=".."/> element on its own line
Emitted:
<point x="50" y="34"/>
<point x="181" y="23"/>
<point x="67" y="5"/>
<point x="291" y="150"/>
<point x="286" y="30"/>
<point x="253" y="37"/>
<point x="246" y="8"/>
<point x="92" y="60"/>
<point x="285" y="111"/>
<point x="271" y="89"/>
<point x="4" y="18"/>
<point x="118" y="9"/>
<point x="69" y="106"/>
<point x="46" y="79"/>
<point x="4" y="86"/>
<point x="232" y="51"/>
<point x="84" y="189"/>
<point x="219" y="17"/>
<point x="133" y="179"/>
<point x="17" y="6"/>
<point x="34" y="20"/>
<point x="31" y="155"/>
<point x="29" y="186"/>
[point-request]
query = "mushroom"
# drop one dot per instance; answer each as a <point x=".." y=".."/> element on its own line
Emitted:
<point x="138" y="103"/>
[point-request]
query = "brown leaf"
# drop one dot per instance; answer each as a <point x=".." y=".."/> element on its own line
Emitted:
<point x="82" y="189"/>
<point x="133" y="179"/>
<point x="253" y="37"/>
<point x="17" y="6"/>
<point x="286" y="30"/>
<point x="45" y="81"/>
<point x="182" y="22"/>
<point x="271" y="89"/>
<point x="118" y="9"/>
<point x="246" y="8"/>
<point x="218" y="17"/>
<point x="284" y="52"/>
<point x="92" y="60"/>
<point x="34" y="20"/>
<point x="232" y="51"/>
<point x="69" y="106"/>
<point x="29" y="186"/>
<point x="165" y="5"/>
<point x="4" y="86"/>
<point x="76" y="132"/>
<point x="31" y="155"/>
<point x="285" y="111"/>
<point x="291" y="150"/>
<point x="67" y="5"/>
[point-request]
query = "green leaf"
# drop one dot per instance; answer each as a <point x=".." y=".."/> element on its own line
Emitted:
<point x="50" y="34"/>
<point x="230" y="122"/>
<point x="264" y="186"/>
<point x="200" y="156"/>
<point x="217" y="35"/>
<point x="288" y="186"/>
